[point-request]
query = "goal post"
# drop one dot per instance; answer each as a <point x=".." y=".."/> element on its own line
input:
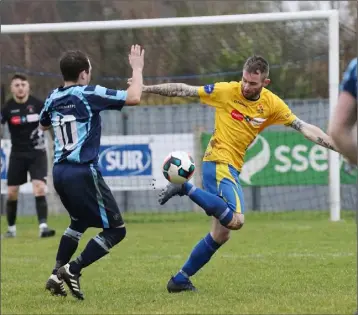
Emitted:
<point x="333" y="72"/>
<point x="331" y="16"/>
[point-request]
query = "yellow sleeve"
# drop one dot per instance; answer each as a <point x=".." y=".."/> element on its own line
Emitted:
<point x="215" y="94"/>
<point x="282" y="113"/>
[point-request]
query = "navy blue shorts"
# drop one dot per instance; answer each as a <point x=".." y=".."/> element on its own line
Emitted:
<point x="86" y="196"/>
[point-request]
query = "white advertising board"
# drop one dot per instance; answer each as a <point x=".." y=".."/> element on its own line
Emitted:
<point x="126" y="162"/>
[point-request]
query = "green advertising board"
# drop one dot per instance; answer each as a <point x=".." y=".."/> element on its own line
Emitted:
<point x="286" y="158"/>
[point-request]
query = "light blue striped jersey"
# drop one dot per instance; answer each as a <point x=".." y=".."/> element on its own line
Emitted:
<point x="74" y="113"/>
<point x="349" y="82"/>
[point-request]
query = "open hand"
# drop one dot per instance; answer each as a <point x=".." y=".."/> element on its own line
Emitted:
<point x="136" y="57"/>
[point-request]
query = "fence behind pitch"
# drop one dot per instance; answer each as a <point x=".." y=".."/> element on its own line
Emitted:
<point x="291" y="173"/>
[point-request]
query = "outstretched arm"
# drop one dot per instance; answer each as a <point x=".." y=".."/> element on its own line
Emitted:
<point x="172" y="89"/>
<point x="211" y="94"/>
<point x="314" y="134"/>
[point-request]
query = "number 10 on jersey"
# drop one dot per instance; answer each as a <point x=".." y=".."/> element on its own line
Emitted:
<point x="65" y="128"/>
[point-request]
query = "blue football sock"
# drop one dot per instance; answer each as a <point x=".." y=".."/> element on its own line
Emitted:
<point x="212" y="204"/>
<point x="200" y="255"/>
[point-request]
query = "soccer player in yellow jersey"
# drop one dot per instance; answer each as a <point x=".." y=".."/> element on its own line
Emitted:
<point x="243" y="110"/>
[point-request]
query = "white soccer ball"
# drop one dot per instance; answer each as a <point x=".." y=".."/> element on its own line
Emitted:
<point x="178" y="167"/>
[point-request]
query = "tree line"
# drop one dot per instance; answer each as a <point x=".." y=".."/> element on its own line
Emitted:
<point x="297" y="51"/>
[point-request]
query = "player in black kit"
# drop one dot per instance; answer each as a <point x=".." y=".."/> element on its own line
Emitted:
<point x="28" y="153"/>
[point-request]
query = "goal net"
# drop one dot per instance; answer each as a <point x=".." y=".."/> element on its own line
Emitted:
<point x="282" y="172"/>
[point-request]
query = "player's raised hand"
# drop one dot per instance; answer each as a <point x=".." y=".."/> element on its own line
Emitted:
<point x="136" y="60"/>
<point x="136" y="57"/>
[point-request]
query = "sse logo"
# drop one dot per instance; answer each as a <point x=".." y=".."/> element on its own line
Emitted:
<point x="3" y="165"/>
<point x="125" y="160"/>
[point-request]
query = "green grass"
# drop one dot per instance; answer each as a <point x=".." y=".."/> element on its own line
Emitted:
<point x="286" y="263"/>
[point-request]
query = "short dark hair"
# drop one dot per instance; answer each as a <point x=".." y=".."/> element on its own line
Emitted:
<point x="20" y="76"/>
<point x="72" y="63"/>
<point x="256" y="64"/>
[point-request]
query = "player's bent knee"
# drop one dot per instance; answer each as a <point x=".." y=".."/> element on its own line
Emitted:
<point x="12" y="192"/>
<point x="73" y="234"/>
<point x="111" y="237"/>
<point x="237" y="222"/>
<point x="78" y="226"/>
<point x="39" y="188"/>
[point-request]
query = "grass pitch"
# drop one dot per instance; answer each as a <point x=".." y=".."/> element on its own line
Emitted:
<point x="284" y="263"/>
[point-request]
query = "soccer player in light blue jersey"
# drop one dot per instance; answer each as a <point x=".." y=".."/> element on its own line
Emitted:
<point x="343" y="124"/>
<point x="74" y="112"/>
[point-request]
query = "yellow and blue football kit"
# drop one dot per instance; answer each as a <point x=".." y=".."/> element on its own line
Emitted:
<point x="237" y="123"/>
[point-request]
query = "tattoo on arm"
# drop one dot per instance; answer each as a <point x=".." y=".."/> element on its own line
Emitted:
<point x="313" y="133"/>
<point x="297" y="124"/>
<point x="326" y="144"/>
<point x="172" y="89"/>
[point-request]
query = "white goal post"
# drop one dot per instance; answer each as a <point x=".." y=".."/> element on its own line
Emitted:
<point x="330" y="15"/>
